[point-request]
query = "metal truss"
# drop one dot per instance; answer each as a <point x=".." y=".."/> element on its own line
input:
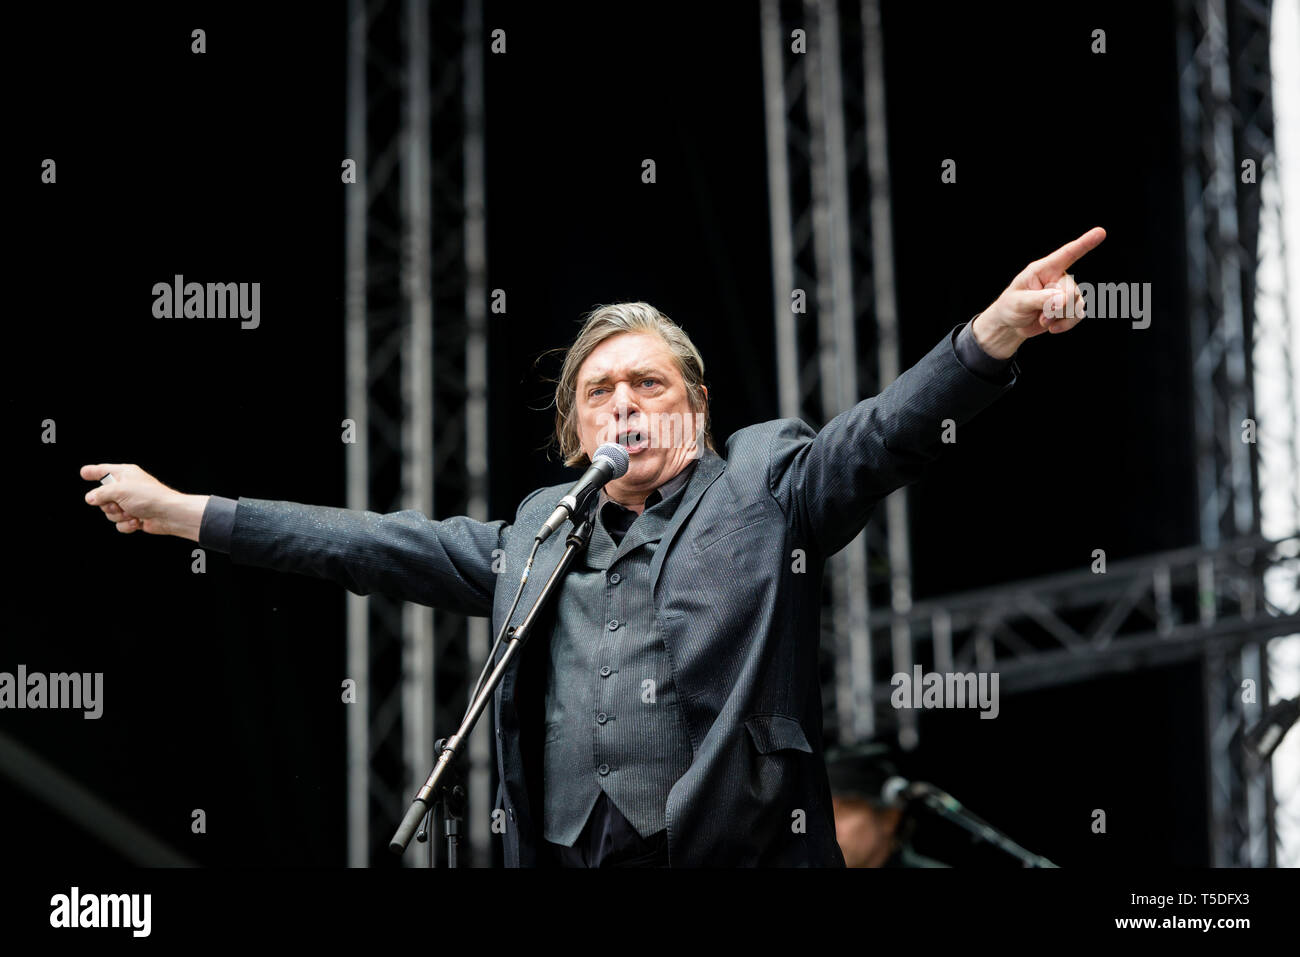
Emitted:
<point x="1226" y="117"/>
<point x="833" y="293"/>
<point x="1144" y="612"/>
<point x="1208" y="603"/>
<point x="1211" y="604"/>
<point x="829" y="217"/>
<point x="416" y="345"/>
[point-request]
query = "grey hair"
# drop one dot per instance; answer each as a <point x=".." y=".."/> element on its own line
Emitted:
<point x="605" y="322"/>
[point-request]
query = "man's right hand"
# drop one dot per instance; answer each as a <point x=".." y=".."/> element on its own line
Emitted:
<point x="137" y="501"/>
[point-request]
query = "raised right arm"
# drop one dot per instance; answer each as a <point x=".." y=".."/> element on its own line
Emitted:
<point x="407" y="555"/>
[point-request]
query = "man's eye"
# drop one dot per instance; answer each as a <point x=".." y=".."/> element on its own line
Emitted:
<point x="594" y="391"/>
<point x="644" y="381"/>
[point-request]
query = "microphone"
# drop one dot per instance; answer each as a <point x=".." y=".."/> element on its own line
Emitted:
<point x="897" y="790"/>
<point x="610" y="462"/>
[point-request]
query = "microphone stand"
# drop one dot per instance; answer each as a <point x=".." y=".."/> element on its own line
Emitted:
<point x="450" y="802"/>
<point x="950" y="809"/>
<point x="442" y="788"/>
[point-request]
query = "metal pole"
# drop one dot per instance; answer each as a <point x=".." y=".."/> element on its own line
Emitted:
<point x="888" y="347"/>
<point x="778" y="193"/>
<point x="838" y="351"/>
<point x="417" y="419"/>
<point x="358" y="453"/>
<point x="476" y="408"/>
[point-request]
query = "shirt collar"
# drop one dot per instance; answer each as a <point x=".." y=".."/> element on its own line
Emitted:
<point x="668" y="488"/>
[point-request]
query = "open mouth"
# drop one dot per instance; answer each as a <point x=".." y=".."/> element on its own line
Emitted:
<point x="634" y="440"/>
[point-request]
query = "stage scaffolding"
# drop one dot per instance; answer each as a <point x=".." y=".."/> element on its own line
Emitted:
<point x="416" y="391"/>
<point x="829" y="200"/>
<point x="415" y="242"/>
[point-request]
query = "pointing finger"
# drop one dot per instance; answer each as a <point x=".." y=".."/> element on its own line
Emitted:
<point x="1055" y="264"/>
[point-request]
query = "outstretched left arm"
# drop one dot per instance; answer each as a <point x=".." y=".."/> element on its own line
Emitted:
<point x="831" y="480"/>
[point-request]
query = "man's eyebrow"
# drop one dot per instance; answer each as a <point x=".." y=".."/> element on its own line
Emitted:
<point x="635" y="373"/>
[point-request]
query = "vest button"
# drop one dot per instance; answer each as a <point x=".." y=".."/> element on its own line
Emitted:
<point x="604" y="672"/>
<point x="602" y="718"/>
<point x="613" y="625"/>
<point x="615" y="578"/>
<point x="603" y="769"/>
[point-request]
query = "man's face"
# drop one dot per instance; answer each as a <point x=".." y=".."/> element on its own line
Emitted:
<point x="865" y="833"/>
<point x="630" y="384"/>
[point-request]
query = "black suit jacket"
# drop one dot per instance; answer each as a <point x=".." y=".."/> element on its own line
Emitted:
<point x="739" y="622"/>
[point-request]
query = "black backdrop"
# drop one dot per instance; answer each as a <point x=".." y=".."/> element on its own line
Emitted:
<point x="222" y="689"/>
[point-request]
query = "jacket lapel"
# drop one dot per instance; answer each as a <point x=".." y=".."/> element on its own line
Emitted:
<point x="707" y="469"/>
<point x="710" y="466"/>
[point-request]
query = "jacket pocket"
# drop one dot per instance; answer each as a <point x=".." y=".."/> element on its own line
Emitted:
<point x="752" y="514"/>
<point x="776" y="732"/>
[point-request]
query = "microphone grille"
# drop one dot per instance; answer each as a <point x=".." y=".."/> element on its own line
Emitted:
<point x="617" y="456"/>
<point x="894" y="790"/>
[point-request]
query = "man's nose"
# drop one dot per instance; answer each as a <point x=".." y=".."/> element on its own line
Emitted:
<point x="625" y="402"/>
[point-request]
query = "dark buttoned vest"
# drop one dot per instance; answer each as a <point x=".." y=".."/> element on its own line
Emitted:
<point x="613" y="722"/>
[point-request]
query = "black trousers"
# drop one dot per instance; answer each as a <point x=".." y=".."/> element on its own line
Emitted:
<point x="609" y="840"/>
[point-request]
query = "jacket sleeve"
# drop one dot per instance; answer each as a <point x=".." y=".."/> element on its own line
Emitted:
<point x="407" y="555"/>
<point x="829" y="481"/>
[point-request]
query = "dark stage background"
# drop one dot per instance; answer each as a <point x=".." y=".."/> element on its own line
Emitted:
<point x="222" y="690"/>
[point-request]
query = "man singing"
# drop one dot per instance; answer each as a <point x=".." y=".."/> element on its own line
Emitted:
<point x="668" y="711"/>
